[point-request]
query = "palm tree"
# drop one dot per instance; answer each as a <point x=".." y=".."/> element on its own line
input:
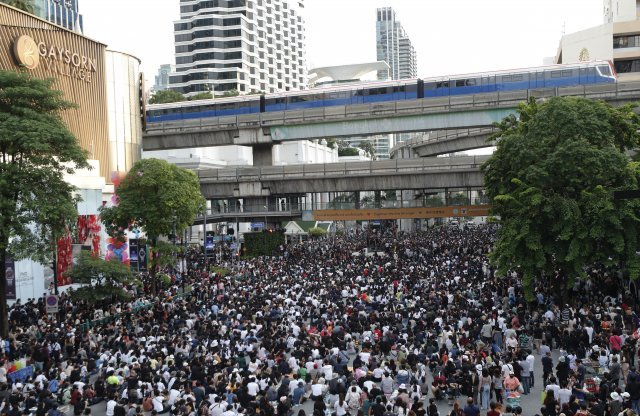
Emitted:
<point x="24" y="5"/>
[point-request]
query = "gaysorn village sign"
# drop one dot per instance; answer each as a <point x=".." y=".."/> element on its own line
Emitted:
<point x="58" y="60"/>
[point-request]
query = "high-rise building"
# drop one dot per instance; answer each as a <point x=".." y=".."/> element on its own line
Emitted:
<point x="60" y="12"/>
<point x="615" y="40"/>
<point x="162" y="79"/>
<point x="394" y="46"/>
<point x="239" y="45"/>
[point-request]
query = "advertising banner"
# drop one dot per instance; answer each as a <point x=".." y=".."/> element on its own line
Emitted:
<point x="209" y="242"/>
<point x="142" y="257"/>
<point x="133" y="253"/>
<point x="10" y="274"/>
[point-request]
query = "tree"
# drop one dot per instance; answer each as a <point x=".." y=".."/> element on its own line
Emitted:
<point x="348" y="151"/>
<point x="103" y="279"/>
<point x="433" y="201"/>
<point x="551" y="182"/>
<point x="166" y="255"/>
<point x="368" y="148"/>
<point x="24" y="5"/>
<point x="166" y="96"/>
<point x="317" y="232"/>
<point x="156" y="196"/>
<point x="36" y="150"/>
<point x="459" y="198"/>
<point x="201" y="96"/>
<point x="231" y="93"/>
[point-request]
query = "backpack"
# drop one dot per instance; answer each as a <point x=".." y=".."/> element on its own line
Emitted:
<point x="61" y="396"/>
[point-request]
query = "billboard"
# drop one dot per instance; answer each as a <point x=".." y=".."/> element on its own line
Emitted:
<point x="10" y="275"/>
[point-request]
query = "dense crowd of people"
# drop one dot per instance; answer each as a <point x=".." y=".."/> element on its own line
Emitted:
<point x="422" y="323"/>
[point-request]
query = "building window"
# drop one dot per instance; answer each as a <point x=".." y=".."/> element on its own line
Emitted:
<point x="627" y="66"/>
<point x="632" y="41"/>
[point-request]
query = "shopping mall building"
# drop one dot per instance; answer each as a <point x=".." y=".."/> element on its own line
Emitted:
<point x="107" y="87"/>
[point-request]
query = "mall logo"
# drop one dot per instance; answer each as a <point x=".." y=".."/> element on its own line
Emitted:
<point x="58" y="60"/>
<point x="26" y="52"/>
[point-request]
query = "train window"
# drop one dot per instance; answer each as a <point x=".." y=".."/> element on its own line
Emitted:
<point x="466" y="82"/>
<point x="604" y="70"/>
<point x="400" y="88"/>
<point x="377" y="91"/>
<point x="412" y="88"/>
<point x="297" y="99"/>
<point x="317" y="97"/>
<point x="506" y="78"/>
<point x="517" y="78"/>
<point x="556" y="74"/>
<point x="567" y="73"/>
<point x="226" y="106"/>
<point x="431" y="85"/>
<point x="337" y="95"/>
<point x="442" y="84"/>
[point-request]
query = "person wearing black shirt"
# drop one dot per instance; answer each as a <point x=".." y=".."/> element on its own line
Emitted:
<point x="432" y="410"/>
<point x="378" y="408"/>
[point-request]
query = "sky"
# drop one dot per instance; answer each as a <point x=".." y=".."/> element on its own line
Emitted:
<point x="450" y="36"/>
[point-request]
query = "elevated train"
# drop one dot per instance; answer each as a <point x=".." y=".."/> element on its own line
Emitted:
<point x="588" y="73"/>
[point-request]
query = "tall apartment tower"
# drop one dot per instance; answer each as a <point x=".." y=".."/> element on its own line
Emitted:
<point x="394" y="46"/>
<point x="162" y="79"/>
<point x="239" y="45"/>
<point x="60" y="12"/>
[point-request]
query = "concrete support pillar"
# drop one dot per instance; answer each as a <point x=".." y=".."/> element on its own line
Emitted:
<point x="406" y="224"/>
<point x="263" y="155"/>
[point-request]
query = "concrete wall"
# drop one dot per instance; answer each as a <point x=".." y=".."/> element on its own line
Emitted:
<point x="597" y="40"/>
<point x="293" y="153"/>
<point x="220" y="156"/>
<point x="620" y="10"/>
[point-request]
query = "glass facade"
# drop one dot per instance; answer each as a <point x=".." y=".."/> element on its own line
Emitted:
<point x="60" y="12"/>
<point x="260" y="42"/>
<point x="394" y="47"/>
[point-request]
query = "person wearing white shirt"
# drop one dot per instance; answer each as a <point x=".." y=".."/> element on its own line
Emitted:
<point x="564" y="394"/>
<point x="111" y="405"/>
<point x="253" y="388"/>
<point x="327" y="370"/>
<point x="217" y="408"/>
<point x="554" y="387"/>
<point x="530" y="360"/>
<point x="173" y="396"/>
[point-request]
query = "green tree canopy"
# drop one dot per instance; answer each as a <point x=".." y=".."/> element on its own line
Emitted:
<point x="201" y="96"/>
<point x="103" y="280"/>
<point x="551" y="181"/>
<point x="231" y="93"/>
<point x="368" y="148"/>
<point x="348" y="151"/>
<point x="166" y="96"/>
<point x="317" y="232"/>
<point x="24" y="5"/>
<point x="36" y="151"/>
<point x="156" y="196"/>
